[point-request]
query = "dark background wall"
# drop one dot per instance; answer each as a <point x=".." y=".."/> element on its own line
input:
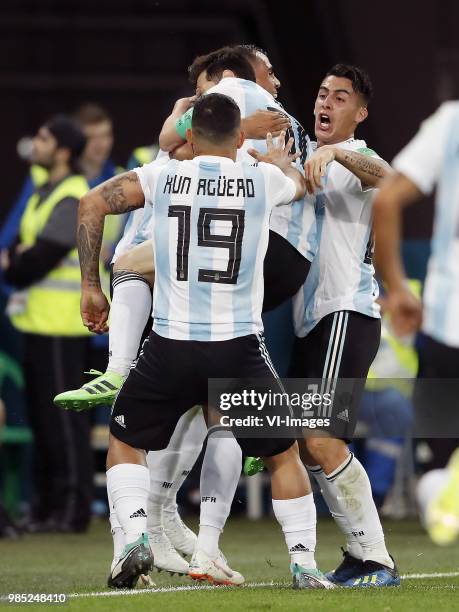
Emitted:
<point x="132" y="58"/>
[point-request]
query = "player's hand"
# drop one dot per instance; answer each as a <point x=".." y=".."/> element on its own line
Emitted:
<point x="405" y="311"/>
<point x="94" y="309"/>
<point x="261" y="122"/>
<point x="316" y="167"/>
<point x="183" y="104"/>
<point x="278" y="152"/>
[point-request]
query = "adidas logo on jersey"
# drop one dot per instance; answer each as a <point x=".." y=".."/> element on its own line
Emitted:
<point x="344" y="415"/>
<point x="298" y="548"/>
<point x="120" y="420"/>
<point x="140" y="513"/>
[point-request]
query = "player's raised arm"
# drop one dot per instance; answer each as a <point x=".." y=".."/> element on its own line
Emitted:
<point x="172" y="135"/>
<point x="120" y="194"/>
<point x="368" y="169"/>
<point x="279" y="155"/>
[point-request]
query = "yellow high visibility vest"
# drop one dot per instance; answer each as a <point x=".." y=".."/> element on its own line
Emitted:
<point x="52" y="305"/>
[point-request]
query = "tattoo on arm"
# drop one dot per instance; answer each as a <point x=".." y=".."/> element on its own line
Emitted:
<point x="89" y="240"/>
<point x="366" y="164"/>
<point x="114" y="195"/>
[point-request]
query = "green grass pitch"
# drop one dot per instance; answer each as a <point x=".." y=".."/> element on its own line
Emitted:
<point x="78" y="565"/>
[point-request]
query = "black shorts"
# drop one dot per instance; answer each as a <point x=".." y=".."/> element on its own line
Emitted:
<point x="342" y="345"/>
<point x="171" y="376"/>
<point x="285" y="271"/>
<point x="435" y="396"/>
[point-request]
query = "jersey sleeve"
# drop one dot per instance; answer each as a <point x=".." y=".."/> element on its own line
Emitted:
<point x="280" y="189"/>
<point x="146" y="174"/>
<point x="422" y="158"/>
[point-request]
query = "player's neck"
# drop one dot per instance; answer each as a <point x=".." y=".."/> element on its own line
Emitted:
<point x="217" y="152"/>
<point x="334" y="141"/>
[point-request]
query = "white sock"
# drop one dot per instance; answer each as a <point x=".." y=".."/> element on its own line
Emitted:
<point x="298" y="519"/>
<point x="128" y="484"/>
<point x="129" y="312"/>
<point x="189" y="435"/>
<point x="357" y="505"/>
<point x="220" y="473"/>
<point x="116" y="530"/>
<point x="169" y="467"/>
<point x="330" y="494"/>
<point x="208" y="539"/>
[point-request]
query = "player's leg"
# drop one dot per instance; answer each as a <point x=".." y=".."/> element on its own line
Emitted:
<point x="133" y="275"/>
<point x="439" y="361"/>
<point x="220" y="473"/>
<point x="344" y="344"/>
<point x="167" y="469"/>
<point x="144" y="416"/>
<point x="188" y="440"/>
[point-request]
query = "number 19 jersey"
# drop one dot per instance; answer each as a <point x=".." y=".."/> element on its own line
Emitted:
<point x="210" y="235"/>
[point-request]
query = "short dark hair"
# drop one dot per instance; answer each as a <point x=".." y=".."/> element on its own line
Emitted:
<point x="91" y="113"/>
<point x="250" y="51"/>
<point x="214" y="63"/>
<point x="216" y="117"/>
<point x="68" y="135"/>
<point x="360" y="80"/>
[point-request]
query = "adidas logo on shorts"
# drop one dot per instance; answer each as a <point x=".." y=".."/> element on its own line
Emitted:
<point x="139" y="514"/>
<point x="344" y="416"/>
<point x="120" y="420"/>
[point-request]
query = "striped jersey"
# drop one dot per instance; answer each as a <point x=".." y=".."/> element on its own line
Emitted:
<point x="341" y="276"/>
<point x="210" y="220"/>
<point x="432" y="159"/>
<point x="296" y="223"/>
<point x="137" y="228"/>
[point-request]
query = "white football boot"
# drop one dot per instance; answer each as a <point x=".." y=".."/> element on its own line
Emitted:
<point x="213" y="569"/>
<point x="165" y="557"/>
<point x="182" y="538"/>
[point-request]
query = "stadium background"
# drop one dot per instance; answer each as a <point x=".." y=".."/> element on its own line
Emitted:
<point x="131" y="57"/>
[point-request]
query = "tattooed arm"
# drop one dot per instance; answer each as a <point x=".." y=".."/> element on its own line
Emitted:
<point x="369" y="170"/>
<point x="120" y="194"/>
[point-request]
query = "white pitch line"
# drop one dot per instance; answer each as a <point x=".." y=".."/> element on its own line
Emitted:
<point x="250" y="585"/>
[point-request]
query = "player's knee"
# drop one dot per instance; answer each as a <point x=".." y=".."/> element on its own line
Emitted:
<point x="322" y="450"/>
<point x="128" y="263"/>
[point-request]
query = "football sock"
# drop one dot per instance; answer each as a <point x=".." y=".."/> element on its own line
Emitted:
<point x="330" y="494"/>
<point x="128" y="486"/>
<point x="208" y="539"/>
<point x="357" y="505"/>
<point x="129" y="312"/>
<point x="220" y="473"/>
<point x="116" y="530"/>
<point x="189" y="436"/>
<point x="297" y="517"/>
<point x="169" y="467"/>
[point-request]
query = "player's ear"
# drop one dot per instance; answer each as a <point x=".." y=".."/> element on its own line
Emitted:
<point x="228" y="73"/>
<point x="189" y="136"/>
<point x="240" y="140"/>
<point x="362" y="114"/>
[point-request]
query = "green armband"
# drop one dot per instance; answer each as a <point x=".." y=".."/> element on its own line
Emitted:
<point x="183" y="123"/>
<point x="366" y="151"/>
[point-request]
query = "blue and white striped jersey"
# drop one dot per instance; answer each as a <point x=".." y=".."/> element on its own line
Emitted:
<point x="341" y="276"/>
<point x="210" y="220"/>
<point x="432" y="159"/>
<point x="137" y="228"/>
<point x="296" y="223"/>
